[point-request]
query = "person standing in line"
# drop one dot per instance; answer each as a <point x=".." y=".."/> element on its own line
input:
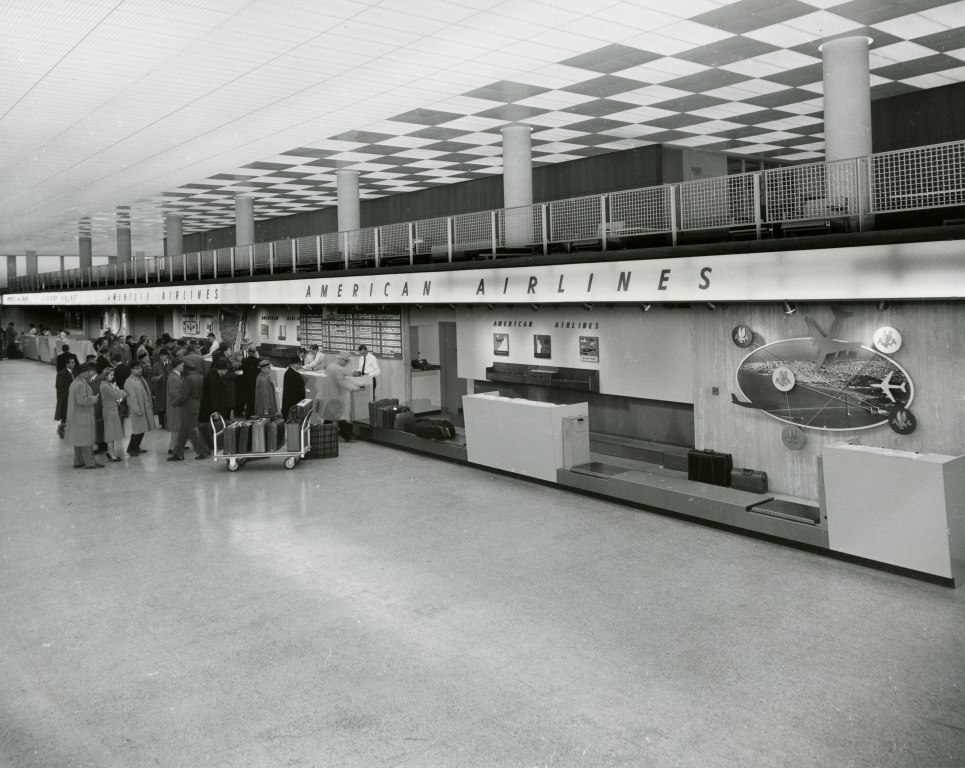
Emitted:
<point x="266" y="402"/>
<point x="64" y="356"/>
<point x="65" y="377"/>
<point x="80" y="419"/>
<point x="111" y="398"/>
<point x="368" y="366"/>
<point x="158" y="380"/>
<point x="95" y="385"/>
<point x="249" y="375"/>
<point x="336" y="391"/>
<point x="10" y="340"/>
<point x="141" y="408"/>
<point x="292" y="388"/>
<point x="189" y="402"/>
<point x="121" y="369"/>
<point x="215" y="397"/>
<point x="174" y="385"/>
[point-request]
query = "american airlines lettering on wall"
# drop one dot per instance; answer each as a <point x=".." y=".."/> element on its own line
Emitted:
<point x="902" y="270"/>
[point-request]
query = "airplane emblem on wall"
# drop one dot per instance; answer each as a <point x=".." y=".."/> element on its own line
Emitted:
<point x="827" y="344"/>
<point x="886" y="386"/>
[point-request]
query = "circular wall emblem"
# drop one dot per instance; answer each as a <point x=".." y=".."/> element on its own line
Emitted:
<point x="783" y="379"/>
<point x="903" y="422"/>
<point x="887" y="339"/>
<point x="793" y="438"/>
<point x="742" y="336"/>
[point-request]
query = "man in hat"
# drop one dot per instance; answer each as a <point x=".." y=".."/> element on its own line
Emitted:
<point x="80" y="431"/>
<point x="249" y="374"/>
<point x="335" y="393"/>
<point x="188" y="401"/>
<point x="141" y="407"/>
<point x="266" y="403"/>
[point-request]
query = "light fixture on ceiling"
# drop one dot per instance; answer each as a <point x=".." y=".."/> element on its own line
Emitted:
<point x="883" y="305"/>
<point x="418" y="306"/>
<point x="534" y="307"/>
<point x="789" y="308"/>
<point x="451" y="306"/>
<point x="711" y="306"/>
<point x="490" y="306"/>
<point x="587" y="307"/>
<point x="645" y="307"/>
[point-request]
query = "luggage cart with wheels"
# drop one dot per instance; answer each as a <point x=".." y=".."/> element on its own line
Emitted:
<point x="237" y="460"/>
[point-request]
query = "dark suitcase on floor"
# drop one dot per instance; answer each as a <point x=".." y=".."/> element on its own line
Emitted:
<point x="230" y="439"/>
<point x="389" y="414"/>
<point x="244" y="437"/>
<point x="293" y="436"/>
<point x="404" y="421"/>
<point x="324" y="441"/>
<point x="753" y="480"/>
<point x="709" y="467"/>
<point x="374" y="406"/>
<point x="434" y="429"/>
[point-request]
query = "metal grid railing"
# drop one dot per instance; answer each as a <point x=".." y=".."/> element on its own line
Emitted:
<point x="307" y="257"/>
<point x="813" y="191"/>
<point x="473" y="231"/>
<point x="722" y="201"/>
<point x="914" y="179"/>
<point x="243" y="260"/>
<point x="207" y="263"/>
<point x="431" y="236"/>
<point x="284" y="255"/>
<point x="579" y="218"/>
<point x="359" y="244"/>
<point x="261" y="257"/>
<point x="331" y="248"/>
<point x="641" y="211"/>
<point x="519" y="227"/>
<point x="394" y="242"/>
<point x="223" y="260"/>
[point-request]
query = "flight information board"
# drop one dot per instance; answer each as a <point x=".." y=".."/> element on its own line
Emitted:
<point x="344" y="329"/>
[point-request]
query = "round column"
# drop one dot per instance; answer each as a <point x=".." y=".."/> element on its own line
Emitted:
<point x="123" y="244"/>
<point x="847" y="98"/>
<point x="32" y="265"/>
<point x="85" y="250"/>
<point x="517" y="166"/>
<point x="244" y="220"/>
<point x="349" y="215"/>
<point x="11" y="267"/>
<point x="174" y="234"/>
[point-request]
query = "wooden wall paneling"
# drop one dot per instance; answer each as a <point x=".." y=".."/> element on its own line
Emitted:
<point x="931" y="353"/>
<point x="917" y="119"/>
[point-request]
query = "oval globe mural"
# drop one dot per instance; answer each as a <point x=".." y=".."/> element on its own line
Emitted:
<point x="848" y="387"/>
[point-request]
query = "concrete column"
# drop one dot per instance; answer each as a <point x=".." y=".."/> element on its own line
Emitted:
<point x="32" y="267"/>
<point x="123" y="244"/>
<point x="847" y="98"/>
<point x="518" y="183"/>
<point x="244" y="220"/>
<point x="174" y="233"/>
<point x="11" y="267"/>
<point x="349" y="216"/>
<point x="86" y="251"/>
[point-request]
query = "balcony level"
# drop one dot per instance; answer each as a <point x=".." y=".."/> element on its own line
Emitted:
<point x="909" y="195"/>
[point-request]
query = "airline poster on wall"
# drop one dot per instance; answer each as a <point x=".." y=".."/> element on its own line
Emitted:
<point x="501" y="344"/>
<point x="589" y="349"/>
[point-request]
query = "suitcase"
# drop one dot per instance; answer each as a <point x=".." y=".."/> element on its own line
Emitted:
<point x="707" y="466"/>
<point x="230" y="439"/>
<point x="259" y="443"/>
<point x="434" y="429"/>
<point x="753" y="480"/>
<point x="244" y="437"/>
<point x="293" y="436"/>
<point x="404" y="421"/>
<point x="324" y="441"/>
<point x="274" y="439"/>
<point x="389" y="414"/>
<point x="374" y="406"/>
<point x="297" y="412"/>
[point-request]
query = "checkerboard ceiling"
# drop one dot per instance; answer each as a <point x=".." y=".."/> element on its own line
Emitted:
<point x="164" y="106"/>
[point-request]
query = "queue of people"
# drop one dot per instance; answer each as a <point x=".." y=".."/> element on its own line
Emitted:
<point x="135" y="386"/>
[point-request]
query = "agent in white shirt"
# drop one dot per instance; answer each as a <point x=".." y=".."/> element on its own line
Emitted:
<point x="314" y="359"/>
<point x="368" y="366"/>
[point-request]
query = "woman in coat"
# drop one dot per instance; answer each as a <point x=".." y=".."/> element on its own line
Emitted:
<point x="159" y="384"/>
<point x="111" y="396"/>
<point x="80" y="430"/>
<point x="141" y="408"/>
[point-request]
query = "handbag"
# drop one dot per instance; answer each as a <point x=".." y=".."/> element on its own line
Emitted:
<point x="123" y="409"/>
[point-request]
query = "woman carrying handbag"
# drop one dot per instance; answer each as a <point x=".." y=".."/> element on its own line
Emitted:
<point x="114" y="406"/>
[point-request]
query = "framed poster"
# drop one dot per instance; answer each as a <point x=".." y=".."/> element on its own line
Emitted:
<point x="264" y="330"/>
<point x="542" y="346"/>
<point x="282" y="330"/>
<point x="501" y="344"/>
<point x="190" y="325"/>
<point x="589" y="349"/>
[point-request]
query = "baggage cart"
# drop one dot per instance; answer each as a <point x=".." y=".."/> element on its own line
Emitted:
<point x="237" y="460"/>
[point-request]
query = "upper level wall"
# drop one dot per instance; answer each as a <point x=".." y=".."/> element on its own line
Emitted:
<point x="918" y="119"/>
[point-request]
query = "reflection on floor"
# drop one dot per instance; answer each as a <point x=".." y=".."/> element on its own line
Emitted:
<point x="388" y="609"/>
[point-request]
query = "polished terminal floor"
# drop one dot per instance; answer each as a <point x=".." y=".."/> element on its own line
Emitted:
<point x="387" y="609"/>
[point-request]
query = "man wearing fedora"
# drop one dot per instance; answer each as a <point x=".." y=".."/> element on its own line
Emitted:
<point x="266" y="403"/>
<point x="188" y="401"/>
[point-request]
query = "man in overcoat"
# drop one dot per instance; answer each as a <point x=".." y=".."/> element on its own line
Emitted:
<point x="141" y="408"/>
<point x="65" y="377"/>
<point x="189" y="403"/>
<point x="79" y="431"/>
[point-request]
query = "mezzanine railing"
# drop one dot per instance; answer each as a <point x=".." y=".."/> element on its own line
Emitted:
<point x="903" y="180"/>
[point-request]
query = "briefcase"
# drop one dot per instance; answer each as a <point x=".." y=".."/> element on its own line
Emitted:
<point x="293" y="436"/>
<point x="375" y="405"/>
<point x="753" y="480"/>
<point x="708" y="466"/>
